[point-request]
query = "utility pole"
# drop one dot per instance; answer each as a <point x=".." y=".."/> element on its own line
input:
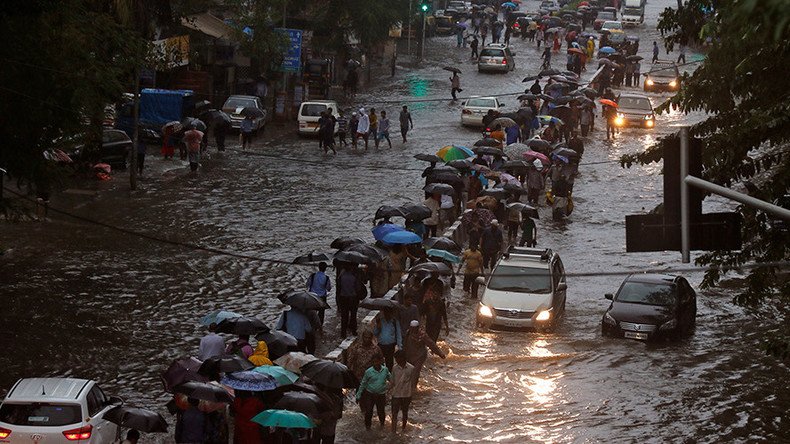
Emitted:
<point x="408" y="40"/>
<point x="135" y="132"/>
<point x="685" y="230"/>
<point x="422" y="45"/>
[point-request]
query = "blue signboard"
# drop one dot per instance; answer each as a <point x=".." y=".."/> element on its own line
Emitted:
<point x="292" y="58"/>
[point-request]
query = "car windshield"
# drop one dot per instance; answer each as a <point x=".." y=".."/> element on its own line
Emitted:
<point x="313" y="109"/>
<point x="617" y="37"/>
<point x="238" y="102"/>
<point x="663" y="72"/>
<point x="647" y="293"/>
<point x="39" y="414"/>
<point x="605" y="15"/>
<point x="492" y="53"/>
<point x="520" y="279"/>
<point x="482" y="103"/>
<point x="632" y="11"/>
<point x="613" y="25"/>
<point x="641" y="103"/>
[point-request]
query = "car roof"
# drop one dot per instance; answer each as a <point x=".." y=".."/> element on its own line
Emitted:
<point x="652" y="278"/>
<point x="320" y="102"/>
<point x="47" y="389"/>
<point x="635" y="95"/>
<point x="528" y="257"/>
<point x="495" y="46"/>
<point x="241" y="96"/>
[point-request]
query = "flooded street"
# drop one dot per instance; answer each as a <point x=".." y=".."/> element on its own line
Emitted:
<point x="88" y="301"/>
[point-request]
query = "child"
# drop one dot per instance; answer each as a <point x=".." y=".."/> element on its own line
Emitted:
<point x="384" y="130"/>
<point x="402" y="373"/>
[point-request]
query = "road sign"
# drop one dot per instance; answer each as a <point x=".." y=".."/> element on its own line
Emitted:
<point x="292" y="56"/>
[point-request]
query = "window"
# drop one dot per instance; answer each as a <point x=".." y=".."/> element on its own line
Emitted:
<point x="520" y="279"/>
<point x="237" y="102"/>
<point x="492" y="53"/>
<point x="96" y="400"/>
<point x="641" y="103"/>
<point x="313" y="109"/>
<point x="648" y="293"/>
<point x="482" y="103"/>
<point x="40" y="414"/>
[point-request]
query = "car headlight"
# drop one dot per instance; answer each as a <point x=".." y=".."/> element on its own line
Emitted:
<point x="619" y="120"/>
<point x="650" y="123"/>
<point x="649" y="82"/>
<point x="669" y="325"/>
<point x="543" y="315"/>
<point x="673" y="83"/>
<point x="485" y="311"/>
<point x="608" y="319"/>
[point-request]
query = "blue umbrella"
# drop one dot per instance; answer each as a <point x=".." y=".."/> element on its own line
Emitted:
<point x="283" y="418"/>
<point x="379" y="231"/>
<point x="401" y="238"/>
<point x="444" y="255"/>
<point x="509" y="5"/>
<point x="250" y="381"/>
<point x="548" y="119"/>
<point x="607" y="50"/>
<point x="217" y="317"/>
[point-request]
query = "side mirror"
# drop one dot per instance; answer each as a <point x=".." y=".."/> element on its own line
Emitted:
<point x="609" y="296"/>
<point x="463" y="103"/>
<point x="115" y="400"/>
<point x="480" y="280"/>
<point x="501" y="105"/>
<point x="562" y="286"/>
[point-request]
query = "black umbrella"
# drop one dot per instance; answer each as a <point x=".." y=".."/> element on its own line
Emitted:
<point x="143" y="420"/>
<point x="530" y="78"/>
<point x="343" y="242"/>
<point x="278" y="342"/>
<point x="539" y="144"/>
<point x="375" y="254"/>
<point x="460" y="164"/>
<point x="449" y="179"/>
<point x="566" y="152"/>
<point x="215" y="116"/>
<point x="488" y="150"/>
<point x="545" y="97"/>
<point x="251" y="111"/>
<point x="378" y="304"/>
<point x="428" y="157"/>
<point x="427" y="268"/>
<point x="442" y="243"/>
<point x="224" y="364"/>
<point x="202" y="104"/>
<point x="352" y="257"/>
<point x="549" y="72"/>
<point x="387" y="211"/>
<point x="302" y="300"/>
<point x="193" y="123"/>
<point x="515" y="165"/>
<point x="452" y="69"/>
<point x="241" y="326"/>
<point x="634" y="58"/>
<point x="312" y="258"/>
<point x="527" y="210"/>
<point x="180" y="371"/>
<point x="329" y="373"/>
<point x="443" y="169"/>
<point x="496" y="193"/>
<point x="205" y="391"/>
<point x="562" y="100"/>
<point x="527" y="97"/>
<point x="441" y="188"/>
<point x="488" y="141"/>
<point x="416" y="211"/>
<point x="589" y="92"/>
<point x="515" y="189"/>
<point x="308" y="403"/>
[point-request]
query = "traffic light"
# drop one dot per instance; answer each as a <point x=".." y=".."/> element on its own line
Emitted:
<point x="425" y="5"/>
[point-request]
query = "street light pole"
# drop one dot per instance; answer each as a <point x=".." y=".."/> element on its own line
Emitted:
<point x="422" y="45"/>
<point x="408" y="40"/>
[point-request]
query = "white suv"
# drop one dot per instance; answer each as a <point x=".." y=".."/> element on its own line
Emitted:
<point x="56" y="410"/>
<point x="526" y="289"/>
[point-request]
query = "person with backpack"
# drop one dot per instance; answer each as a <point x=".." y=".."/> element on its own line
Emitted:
<point x="350" y="290"/>
<point x="297" y="324"/>
<point x="319" y="284"/>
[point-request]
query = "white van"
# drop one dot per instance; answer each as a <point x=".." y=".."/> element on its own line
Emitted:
<point x="310" y="112"/>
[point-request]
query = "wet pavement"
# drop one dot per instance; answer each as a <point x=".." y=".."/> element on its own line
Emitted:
<point x="88" y="301"/>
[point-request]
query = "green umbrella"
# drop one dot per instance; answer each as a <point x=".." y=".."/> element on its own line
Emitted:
<point x="283" y="418"/>
<point x="281" y="375"/>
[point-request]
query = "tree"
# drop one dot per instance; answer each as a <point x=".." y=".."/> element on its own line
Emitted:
<point x="741" y="85"/>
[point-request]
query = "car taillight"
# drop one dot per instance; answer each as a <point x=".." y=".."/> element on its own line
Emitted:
<point x="4" y="433"/>
<point x="504" y="61"/>
<point x="79" y="434"/>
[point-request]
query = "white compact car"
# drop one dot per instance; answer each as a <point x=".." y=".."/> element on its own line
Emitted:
<point x="310" y="112"/>
<point x="526" y="289"/>
<point x="475" y="108"/>
<point x="56" y="411"/>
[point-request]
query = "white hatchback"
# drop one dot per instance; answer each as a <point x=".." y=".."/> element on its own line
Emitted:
<point x="475" y="108"/>
<point x="310" y="112"/>
<point x="56" y="410"/>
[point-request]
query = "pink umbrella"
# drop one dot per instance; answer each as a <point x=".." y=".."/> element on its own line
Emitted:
<point x="532" y="155"/>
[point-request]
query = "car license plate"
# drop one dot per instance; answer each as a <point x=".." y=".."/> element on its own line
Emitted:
<point x="491" y="62"/>
<point x="312" y="125"/>
<point x="511" y="324"/>
<point x="636" y="335"/>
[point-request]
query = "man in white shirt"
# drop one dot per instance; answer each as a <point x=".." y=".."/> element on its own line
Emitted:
<point x="363" y="128"/>
<point x="402" y="389"/>
<point x="211" y="345"/>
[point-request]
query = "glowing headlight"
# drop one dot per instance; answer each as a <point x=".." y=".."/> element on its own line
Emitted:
<point x="673" y="83"/>
<point x="649" y="82"/>
<point x="485" y="311"/>
<point x="650" y="123"/>
<point x="544" y="315"/>
<point x="619" y="121"/>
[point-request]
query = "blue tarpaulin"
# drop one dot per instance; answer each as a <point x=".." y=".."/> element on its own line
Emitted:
<point x="159" y="106"/>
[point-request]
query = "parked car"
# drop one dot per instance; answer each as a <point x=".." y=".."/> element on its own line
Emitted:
<point x="663" y="76"/>
<point x="55" y="411"/>
<point x="115" y="148"/>
<point x="473" y="110"/>
<point x="526" y="289"/>
<point x="610" y="25"/>
<point x="634" y="109"/>
<point x="310" y="112"/>
<point x="651" y="306"/>
<point x="496" y="57"/>
<point x="604" y="16"/>
<point x="236" y="104"/>
<point x="549" y="5"/>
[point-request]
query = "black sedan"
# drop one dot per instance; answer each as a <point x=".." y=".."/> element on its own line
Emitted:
<point x="115" y="148"/>
<point x="651" y="306"/>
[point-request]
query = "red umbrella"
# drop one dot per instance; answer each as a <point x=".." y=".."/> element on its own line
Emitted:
<point x="607" y="102"/>
<point x="532" y="155"/>
<point x="584" y="4"/>
<point x="485" y="216"/>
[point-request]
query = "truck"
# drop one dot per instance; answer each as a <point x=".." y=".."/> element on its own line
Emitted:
<point x="633" y="13"/>
<point x="157" y="107"/>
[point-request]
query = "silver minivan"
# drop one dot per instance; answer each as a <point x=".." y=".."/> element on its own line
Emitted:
<point x="496" y="57"/>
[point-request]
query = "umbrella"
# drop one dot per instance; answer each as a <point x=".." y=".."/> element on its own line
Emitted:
<point x="442" y="243"/>
<point x="530" y="78"/>
<point x="566" y="152"/>
<point x="143" y="420"/>
<point x="374" y="253"/>
<point x="451" y="179"/>
<point x="444" y="255"/>
<point x="607" y="50"/>
<point x="549" y="72"/>
<point x="509" y="5"/>
<point x="576" y="51"/>
<point x="329" y="373"/>
<point x="554" y="86"/>
<point x="545" y="97"/>
<point x="441" y="188"/>
<point x="387" y="211"/>
<point x="180" y="371"/>
<point x="204" y="391"/>
<point x="484" y="215"/>
<point x="283" y="418"/>
<point x="379" y="231"/>
<point x="552" y="30"/>
<point x="532" y="155"/>
<point x="428" y="268"/>
<point x="342" y="242"/>
<point x="528" y="96"/>
<point x="589" y="92"/>
<point x="242" y="326"/>
<point x="515" y="150"/>
<point x="224" y="364"/>
<point x="539" y="144"/>
<point x="634" y="58"/>
<point x="515" y="189"/>
<point x="280" y="375"/>
<point x="302" y="300"/>
<point x="608" y="63"/>
<point x="443" y="168"/>
<point x="416" y="211"/>
<point x="193" y="123"/>
<point x="547" y="119"/>
<point x="428" y="157"/>
<point x="454" y="152"/>
<point x="312" y="258"/>
<point x="504" y="122"/>
<point x="174" y="126"/>
<point x="278" y="342"/>
<point x="251" y="111"/>
<point x="452" y="69"/>
<point x="217" y="316"/>
<point x="460" y="164"/>
<point x="401" y="238"/>
<point x="496" y="193"/>
<point x="528" y="210"/>
<point x="250" y="381"/>
<point x="352" y="257"/>
<point x="489" y="150"/>
<point x="202" y="104"/>
<point x="379" y="304"/>
<point x="562" y="158"/>
<point x="294" y="361"/>
<point x="307" y="403"/>
<point x="607" y="102"/>
<point x="488" y="141"/>
<point x="512" y="165"/>
<point x="215" y="116"/>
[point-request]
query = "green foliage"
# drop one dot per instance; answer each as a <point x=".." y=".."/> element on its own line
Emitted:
<point x="369" y="22"/>
<point x="742" y="86"/>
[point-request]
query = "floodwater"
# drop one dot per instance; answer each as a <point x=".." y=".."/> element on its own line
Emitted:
<point x="88" y="301"/>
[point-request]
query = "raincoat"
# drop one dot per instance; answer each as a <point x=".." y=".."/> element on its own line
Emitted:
<point x="261" y="355"/>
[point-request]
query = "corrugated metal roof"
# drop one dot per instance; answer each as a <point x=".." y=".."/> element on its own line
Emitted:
<point x="42" y="389"/>
<point x="209" y="25"/>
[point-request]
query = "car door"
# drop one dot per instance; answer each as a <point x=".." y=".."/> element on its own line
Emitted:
<point x="558" y="272"/>
<point x="98" y="404"/>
